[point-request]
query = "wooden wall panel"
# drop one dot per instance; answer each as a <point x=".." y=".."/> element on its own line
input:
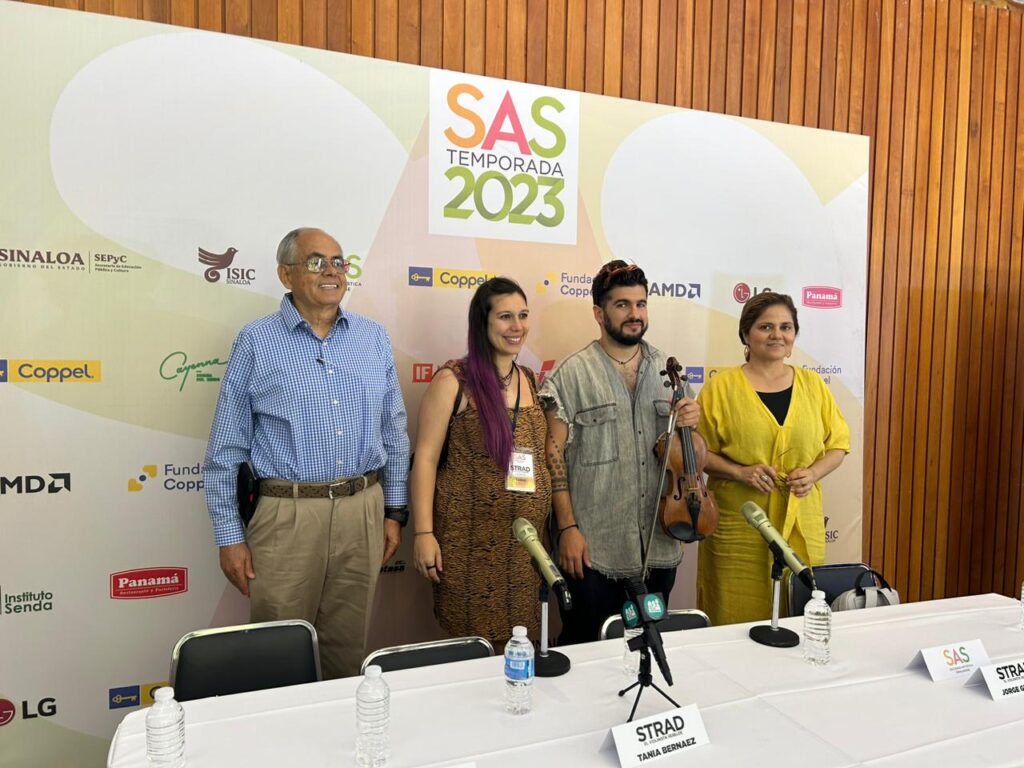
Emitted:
<point x="936" y="84"/>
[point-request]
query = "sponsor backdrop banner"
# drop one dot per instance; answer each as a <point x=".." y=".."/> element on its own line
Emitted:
<point x="149" y="173"/>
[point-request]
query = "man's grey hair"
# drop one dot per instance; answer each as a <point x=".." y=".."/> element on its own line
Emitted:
<point x="287" y="250"/>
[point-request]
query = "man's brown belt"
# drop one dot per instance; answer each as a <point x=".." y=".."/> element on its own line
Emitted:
<point x="281" y="489"/>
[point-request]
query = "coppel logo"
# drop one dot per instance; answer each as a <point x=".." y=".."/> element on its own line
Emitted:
<point x="821" y="297"/>
<point x="51" y="371"/>
<point x="422" y="277"/>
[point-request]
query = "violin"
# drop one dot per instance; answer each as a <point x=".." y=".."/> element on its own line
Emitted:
<point x="687" y="510"/>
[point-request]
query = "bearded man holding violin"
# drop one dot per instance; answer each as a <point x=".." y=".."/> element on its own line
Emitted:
<point x="606" y="405"/>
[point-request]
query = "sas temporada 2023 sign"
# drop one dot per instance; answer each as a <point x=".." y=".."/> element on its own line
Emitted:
<point x="504" y="159"/>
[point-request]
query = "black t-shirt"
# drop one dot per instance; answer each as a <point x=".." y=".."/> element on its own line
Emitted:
<point x="778" y="402"/>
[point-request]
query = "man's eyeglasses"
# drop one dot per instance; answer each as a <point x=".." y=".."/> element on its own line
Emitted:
<point x="318" y="263"/>
<point x="612" y="273"/>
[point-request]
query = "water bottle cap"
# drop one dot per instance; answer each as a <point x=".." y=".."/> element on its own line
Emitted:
<point x="163" y="694"/>
<point x="372" y="671"/>
<point x="818" y="594"/>
<point x="518" y="631"/>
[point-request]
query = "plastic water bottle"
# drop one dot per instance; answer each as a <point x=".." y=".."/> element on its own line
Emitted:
<point x="373" y="703"/>
<point x="817" y="629"/>
<point x="518" y="672"/>
<point x="630" y="659"/>
<point x="165" y="730"/>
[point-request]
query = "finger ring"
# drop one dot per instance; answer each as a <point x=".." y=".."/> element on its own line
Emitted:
<point x="765" y="478"/>
<point x="431" y="566"/>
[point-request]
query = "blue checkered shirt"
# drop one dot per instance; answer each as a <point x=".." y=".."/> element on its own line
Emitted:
<point x="307" y="410"/>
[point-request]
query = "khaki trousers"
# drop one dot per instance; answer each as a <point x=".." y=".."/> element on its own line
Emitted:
<point x="318" y="560"/>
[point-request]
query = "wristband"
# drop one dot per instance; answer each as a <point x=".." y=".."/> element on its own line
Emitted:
<point x="422" y="533"/>
<point x="399" y="514"/>
<point x="563" y="530"/>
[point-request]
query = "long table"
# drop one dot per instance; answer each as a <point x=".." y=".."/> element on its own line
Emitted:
<point x="762" y="706"/>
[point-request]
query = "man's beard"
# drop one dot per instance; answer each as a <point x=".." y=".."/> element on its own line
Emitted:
<point x="618" y="336"/>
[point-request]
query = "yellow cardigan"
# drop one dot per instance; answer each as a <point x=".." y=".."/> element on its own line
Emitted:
<point x="734" y="565"/>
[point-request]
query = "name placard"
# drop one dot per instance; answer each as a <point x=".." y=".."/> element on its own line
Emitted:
<point x="952" y="661"/>
<point x="1004" y="681"/>
<point x="644" y="741"/>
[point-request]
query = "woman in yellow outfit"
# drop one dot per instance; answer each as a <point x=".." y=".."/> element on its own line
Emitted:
<point x="773" y="432"/>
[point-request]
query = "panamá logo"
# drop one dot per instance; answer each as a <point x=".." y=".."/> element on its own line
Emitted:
<point x="503" y="160"/>
<point x="36" y="259"/>
<point x="216" y="263"/>
<point x="177" y="367"/>
<point x="177" y="477"/>
<point x="51" y="371"/>
<point x="25" y="602"/>
<point x="821" y="297"/>
<point x="144" y="583"/>
<point x="58" y="481"/>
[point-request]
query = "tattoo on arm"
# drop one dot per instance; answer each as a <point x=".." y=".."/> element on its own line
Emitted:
<point x="556" y="466"/>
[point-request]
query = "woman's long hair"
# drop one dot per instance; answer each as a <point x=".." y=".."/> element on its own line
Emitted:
<point x="482" y="380"/>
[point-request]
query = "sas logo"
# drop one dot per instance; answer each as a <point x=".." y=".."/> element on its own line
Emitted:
<point x="177" y="477"/>
<point x="144" y="583"/>
<point x="216" y="263"/>
<point x="133" y="695"/>
<point x="422" y="373"/>
<point x="743" y="293"/>
<point x="442" y="277"/>
<point x="51" y="371"/>
<point x="956" y="657"/>
<point x="821" y="297"/>
<point x="59" y="481"/>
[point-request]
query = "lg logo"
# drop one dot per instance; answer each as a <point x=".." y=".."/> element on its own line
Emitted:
<point x="44" y="708"/>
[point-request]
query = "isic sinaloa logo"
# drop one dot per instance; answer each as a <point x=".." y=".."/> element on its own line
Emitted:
<point x="187" y="478"/>
<point x="216" y="263"/>
<point x="51" y="371"/>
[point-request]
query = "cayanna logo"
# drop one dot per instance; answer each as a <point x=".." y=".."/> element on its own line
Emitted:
<point x="144" y="583"/>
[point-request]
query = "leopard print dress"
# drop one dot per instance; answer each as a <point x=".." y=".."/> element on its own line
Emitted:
<point x="488" y="585"/>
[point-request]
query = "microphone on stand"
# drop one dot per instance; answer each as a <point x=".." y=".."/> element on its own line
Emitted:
<point x="645" y="610"/>
<point x="759" y="522"/>
<point x="526" y="535"/>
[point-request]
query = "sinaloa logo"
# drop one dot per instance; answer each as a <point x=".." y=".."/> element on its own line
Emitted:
<point x="177" y="477"/>
<point x="504" y="159"/>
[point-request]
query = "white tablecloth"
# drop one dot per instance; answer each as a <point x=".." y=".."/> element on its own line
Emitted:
<point x="761" y="706"/>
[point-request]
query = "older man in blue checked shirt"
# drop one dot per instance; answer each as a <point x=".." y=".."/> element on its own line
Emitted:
<point x="311" y="399"/>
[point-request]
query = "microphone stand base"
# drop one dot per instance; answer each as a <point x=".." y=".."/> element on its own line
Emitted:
<point x="552" y="665"/>
<point x="774" y="637"/>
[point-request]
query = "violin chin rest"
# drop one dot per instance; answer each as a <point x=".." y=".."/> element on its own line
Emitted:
<point x="684" y="532"/>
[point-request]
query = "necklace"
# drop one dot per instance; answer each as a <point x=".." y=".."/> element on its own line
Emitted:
<point x="628" y="360"/>
<point x="507" y="378"/>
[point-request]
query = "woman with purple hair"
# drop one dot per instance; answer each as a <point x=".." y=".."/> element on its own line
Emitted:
<point x="479" y="465"/>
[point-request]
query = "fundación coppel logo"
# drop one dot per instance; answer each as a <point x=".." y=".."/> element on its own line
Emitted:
<point x="216" y="263"/>
<point x="177" y="477"/>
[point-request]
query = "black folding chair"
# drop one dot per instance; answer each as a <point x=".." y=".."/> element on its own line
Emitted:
<point x="426" y="654"/>
<point x="247" y="657"/>
<point x="832" y="579"/>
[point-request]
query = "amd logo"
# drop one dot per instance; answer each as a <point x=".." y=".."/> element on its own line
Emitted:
<point x="59" y="481"/>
